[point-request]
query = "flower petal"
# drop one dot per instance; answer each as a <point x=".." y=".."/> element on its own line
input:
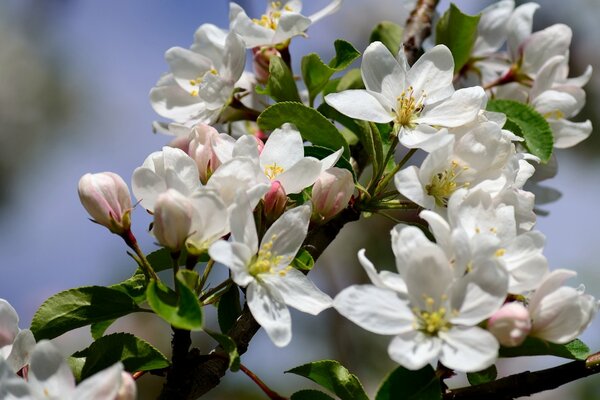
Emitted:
<point x="433" y="74"/>
<point x="359" y="104"/>
<point x="298" y="291"/>
<point x="288" y="233"/>
<point x="414" y="350"/>
<point x="468" y="349"/>
<point x="236" y="257"/>
<point x="269" y="310"/>
<point x="460" y="108"/>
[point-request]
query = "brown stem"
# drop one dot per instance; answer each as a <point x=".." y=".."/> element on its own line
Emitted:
<point x="268" y="391"/>
<point x="418" y="28"/>
<point x="526" y="383"/>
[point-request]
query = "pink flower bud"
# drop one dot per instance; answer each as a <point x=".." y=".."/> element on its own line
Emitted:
<point x="275" y="201"/>
<point x="200" y="149"/>
<point x="510" y="324"/>
<point x="262" y="59"/>
<point x="106" y="198"/>
<point x="128" y="389"/>
<point x="331" y="193"/>
<point x="173" y="214"/>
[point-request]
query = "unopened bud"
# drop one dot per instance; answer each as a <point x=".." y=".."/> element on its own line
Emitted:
<point x="510" y="324"/>
<point x="275" y="201"/>
<point x="331" y="193"/>
<point x="200" y="149"/>
<point x="173" y="214"/>
<point x="128" y="389"/>
<point x="106" y="198"/>
<point x="262" y="59"/>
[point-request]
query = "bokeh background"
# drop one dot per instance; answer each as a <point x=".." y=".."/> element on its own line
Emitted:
<point x="74" y="83"/>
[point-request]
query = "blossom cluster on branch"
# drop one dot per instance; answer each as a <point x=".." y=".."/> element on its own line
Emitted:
<point x="257" y="169"/>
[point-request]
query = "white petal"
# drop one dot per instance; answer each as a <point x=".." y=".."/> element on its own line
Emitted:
<point x="545" y="44"/>
<point x="102" y="385"/>
<point x="381" y="72"/>
<point x="49" y="373"/>
<point x="429" y="261"/>
<point x="332" y="7"/>
<point x="375" y="309"/>
<point x="243" y="227"/>
<point x="284" y="148"/>
<point x="414" y="350"/>
<point x="468" y="349"/>
<point x="406" y="241"/>
<point x="186" y="65"/>
<point x="288" y="233"/>
<point x="433" y="74"/>
<point x="439" y="227"/>
<point x="298" y="291"/>
<point x="519" y="27"/>
<point x="569" y="133"/>
<point x="210" y="220"/>
<point x="169" y="100"/>
<point x="234" y="58"/>
<point x="9" y="323"/>
<point x="252" y="34"/>
<point x="460" y="108"/>
<point x="359" y="104"/>
<point x="491" y="30"/>
<point x="525" y="262"/>
<point x="236" y="257"/>
<point x="289" y="25"/>
<point x="269" y="310"/>
<point x="21" y="350"/>
<point x="300" y="176"/>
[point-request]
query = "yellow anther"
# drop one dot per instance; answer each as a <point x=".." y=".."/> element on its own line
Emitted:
<point x="265" y="261"/>
<point x="271" y="171"/>
<point x="408" y="108"/>
<point x="214" y="71"/>
<point x="443" y="184"/>
<point x="557" y="114"/>
<point x="477" y="230"/>
<point x="493" y="230"/>
<point x="194" y="93"/>
<point x="500" y="252"/>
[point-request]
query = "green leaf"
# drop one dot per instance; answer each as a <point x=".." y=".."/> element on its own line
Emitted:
<point x="320" y="153"/>
<point x="458" y="31"/>
<point x="303" y="261"/>
<point x="134" y="287"/>
<point x="189" y="278"/>
<point x="313" y="126"/>
<point x="229" y="308"/>
<point x="79" y="307"/>
<point x="281" y="85"/>
<point x="229" y="346"/>
<point x="487" y="375"/>
<point x="135" y="354"/>
<point x="388" y="33"/>
<point x="183" y="311"/>
<point x="161" y="259"/>
<point x="351" y="80"/>
<point x="310" y="395"/>
<point x="316" y="73"/>
<point x="370" y="137"/>
<point x="97" y="329"/>
<point x="332" y="376"/>
<point x="76" y="365"/>
<point x="531" y="126"/>
<point x="405" y="384"/>
<point x="574" y="350"/>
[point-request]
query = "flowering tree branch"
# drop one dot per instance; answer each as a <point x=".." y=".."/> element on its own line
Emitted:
<point x="418" y="28"/>
<point x="526" y="383"/>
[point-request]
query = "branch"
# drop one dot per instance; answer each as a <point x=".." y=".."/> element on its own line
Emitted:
<point x="526" y="383"/>
<point x="197" y="374"/>
<point x="418" y="28"/>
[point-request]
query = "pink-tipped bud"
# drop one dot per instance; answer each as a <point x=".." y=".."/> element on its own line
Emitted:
<point x="200" y="149"/>
<point x="260" y="142"/>
<point x="510" y="324"/>
<point x="106" y="198"/>
<point x="128" y="389"/>
<point x="173" y="215"/>
<point x="262" y="59"/>
<point x="275" y="201"/>
<point x="331" y="193"/>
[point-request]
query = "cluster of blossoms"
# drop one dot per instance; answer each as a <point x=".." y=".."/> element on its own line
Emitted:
<point x="470" y="277"/>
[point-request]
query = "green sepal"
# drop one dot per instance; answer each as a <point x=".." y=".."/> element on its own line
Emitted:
<point x="303" y="261"/>
<point x="458" y="31"/>
<point x="182" y="311"/>
<point x="405" y="384"/>
<point x="332" y="376"/>
<point x="136" y="354"/>
<point x="313" y="126"/>
<point x="79" y="307"/>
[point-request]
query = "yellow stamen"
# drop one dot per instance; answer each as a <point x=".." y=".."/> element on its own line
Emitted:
<point x="271" y="171"/>
<point x="443" y="184"/>
<point x="408" y="108"/>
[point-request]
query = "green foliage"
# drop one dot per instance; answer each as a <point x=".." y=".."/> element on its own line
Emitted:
<point x="229" y="308"/>
<point x="351" y="80"/>
<point x="134" y="287"/>
<point x="320" y="153"/>
<point x="313" y="126"/>
<point x="76" y="365"/>
<point x="303" y="261"/>
<point x="458" y="31"/>
<point x="524" y="121"/>
<point x="388" y="33"/>
<point x="370" y="137"/>
<point x="334" y="377"/>
<point x="97" y="329"/>
<point x="79" y="307"/>
<point x="310" y="395"/>
<point x="281" y="85"/>
<point x="181" y="310"/>
<point x="229" y="346"/>
<point x="487" y="375"/>
<point x="316" y="73"/>
<point x="405" y="384"/>
<point x="135" y="354"/>
<point x="574" y="350"/>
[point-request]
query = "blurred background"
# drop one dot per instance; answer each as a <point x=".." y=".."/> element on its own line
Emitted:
<point x="74" y="83"/>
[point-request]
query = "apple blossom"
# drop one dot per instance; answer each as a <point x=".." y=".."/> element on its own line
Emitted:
<point x="106" y="198"/>
<point x="510" y="324"/>
<point x="271" y="282"/>
<point x="172" y="219"/>
<point x="331" y="193"/>
<point x="15" y="344"/>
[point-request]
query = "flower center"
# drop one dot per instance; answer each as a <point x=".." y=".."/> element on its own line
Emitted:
<point x="443" y="184"/>
<point x="431" y="321"/>
<point x="408" y="108"/>
<point x="265" y="261"/>
<point x="270" y="20"/>
<point x="200" y="79"/>
<point x="271" y="171"/>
